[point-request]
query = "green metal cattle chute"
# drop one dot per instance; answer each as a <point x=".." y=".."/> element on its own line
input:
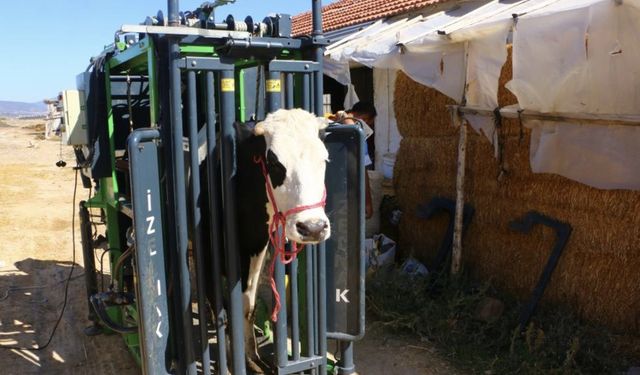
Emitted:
<point x="165" y="91"/>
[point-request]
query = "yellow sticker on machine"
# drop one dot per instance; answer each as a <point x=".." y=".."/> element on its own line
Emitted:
<point x="273" y="85"/>
<point x="227" y="85"/>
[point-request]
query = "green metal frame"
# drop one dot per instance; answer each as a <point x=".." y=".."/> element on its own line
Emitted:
<point x="140" y="59"/>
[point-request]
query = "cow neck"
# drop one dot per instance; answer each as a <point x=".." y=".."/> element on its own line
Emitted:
<point x="277" y="236"/>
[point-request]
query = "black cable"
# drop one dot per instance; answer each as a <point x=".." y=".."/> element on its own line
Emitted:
<point x="66" y="287"/>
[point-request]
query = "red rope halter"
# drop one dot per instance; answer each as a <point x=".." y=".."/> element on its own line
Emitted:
<point x="277" y="235"/>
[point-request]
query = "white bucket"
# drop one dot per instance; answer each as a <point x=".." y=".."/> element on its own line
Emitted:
<point x="388" y="161"/>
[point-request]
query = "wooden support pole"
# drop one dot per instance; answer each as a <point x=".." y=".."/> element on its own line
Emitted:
<point x="456" y="254"/>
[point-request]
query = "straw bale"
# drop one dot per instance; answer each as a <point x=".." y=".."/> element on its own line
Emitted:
<point x="421" y="111"/>
<point x="506" y="97"/>
<point x="598" y="272"/>
<point x="422" y="171"/>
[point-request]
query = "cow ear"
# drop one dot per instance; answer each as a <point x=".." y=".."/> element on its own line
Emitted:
<point x="259" y="129"/>
<point x="244" y="130"/>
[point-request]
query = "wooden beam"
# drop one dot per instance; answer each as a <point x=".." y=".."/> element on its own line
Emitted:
<point x="583" y="118"/>
<point x="456" y="252"/>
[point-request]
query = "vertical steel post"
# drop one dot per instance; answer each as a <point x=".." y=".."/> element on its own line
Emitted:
<point x="309" y="262"/>
<point x="88" y="257"/>
<point x="289" y="91"/>
<point x="196" y="213"/>
<point x="229" y="165"/>
<point x="151" y="293"/>
<point x="186" y="361"/>
<point x="213" y="174"/>
<point x="322" y="305"/>
<point x="310" y="301"/>
<point x="295" y="320"/>
<point x="281" y="324"/>
<point x="318" y="89"/>
<point x="346" y="365"/>
<point x="173" y="8"/>
<point x="316" y="34"/>
<point x="274" y="93"/>
<point x="306" y="92"/>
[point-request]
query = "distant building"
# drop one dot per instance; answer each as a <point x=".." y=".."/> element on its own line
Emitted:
<point x="54" y="116"/>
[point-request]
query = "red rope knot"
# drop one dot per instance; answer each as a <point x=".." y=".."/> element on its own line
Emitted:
<point x="277" y="236"/>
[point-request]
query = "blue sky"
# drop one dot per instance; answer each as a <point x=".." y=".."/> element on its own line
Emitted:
<point x="47" y="42"/>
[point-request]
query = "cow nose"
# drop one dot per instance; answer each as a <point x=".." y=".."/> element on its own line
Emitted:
<point x="311" y="228"/>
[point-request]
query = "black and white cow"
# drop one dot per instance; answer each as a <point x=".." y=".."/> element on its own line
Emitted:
<point x="295" y="159"/>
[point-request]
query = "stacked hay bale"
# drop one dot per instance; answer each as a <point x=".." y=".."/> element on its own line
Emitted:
<point x="598" y="271"/>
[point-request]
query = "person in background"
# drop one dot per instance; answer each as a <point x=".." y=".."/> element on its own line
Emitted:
<point x="363" y="114"/>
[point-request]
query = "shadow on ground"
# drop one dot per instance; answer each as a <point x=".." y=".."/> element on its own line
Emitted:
<point x="31" y="298"/>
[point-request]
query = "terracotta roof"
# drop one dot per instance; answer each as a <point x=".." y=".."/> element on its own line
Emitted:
<point x="351" y="12"/>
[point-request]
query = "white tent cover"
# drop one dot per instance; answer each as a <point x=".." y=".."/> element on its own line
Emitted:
<point x="569" y="56"/>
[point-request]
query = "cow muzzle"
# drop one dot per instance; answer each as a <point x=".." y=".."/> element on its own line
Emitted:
<point x="313" y="230"/>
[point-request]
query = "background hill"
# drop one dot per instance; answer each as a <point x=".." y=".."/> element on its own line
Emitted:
<point x="21" y="109"/>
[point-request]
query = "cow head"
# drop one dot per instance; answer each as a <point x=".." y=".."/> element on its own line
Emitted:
<point x="296" y="161"/>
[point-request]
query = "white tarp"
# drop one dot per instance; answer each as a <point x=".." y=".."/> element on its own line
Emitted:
<point x="339" y="71"/>
<point x="569" y="56"/>
<point x="590" y="64"/>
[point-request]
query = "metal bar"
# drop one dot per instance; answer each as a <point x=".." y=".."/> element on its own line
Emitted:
<point x="183" y="31"/>
<point x="152" y="75"/>
<point x="89" y="260"/>
<point x="274" y="92"/>
<point x="322" y="306"/>
<point x="151" y="291"/>
<point x="265" y="43"/>
<point x="196" y="218"/>
<point x="175" y="341"/>
<point x="293" y="66"/>
<point x="311" y="340"/>
<point x="204" y="63"/>
<point x="314" y="304"/>
<point x="309" y="263"/>
<point x="228" y="143"/>
<point x="173" y="9"/>
<point x="281" y="324"/>
<point x="295" y="319"/>
<point x="306" y="92"/>
<point x="319" y="56"/>
<point x="186" y="360"/>
<point x="289" y="91"/>
<point x="213" y="174"/>
<point x="299" y="366"/>
<point x="346" y="365"/>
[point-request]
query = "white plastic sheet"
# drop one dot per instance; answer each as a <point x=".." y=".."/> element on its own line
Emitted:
<point x="581" y="57"/>
<point x="442" y="69"/>
<point x="485" y="58"/>
<point x="339" y="70"/>
<point x="569" y="56"/>
<point x="605" y="157"/>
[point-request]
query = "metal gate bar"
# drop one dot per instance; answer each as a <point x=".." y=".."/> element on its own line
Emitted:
<point x="186" y="361"/>
<point x="198" y="248"/>
<point x="215" y="209"/>
<point x="150" y="256"/>
<point x="227" y="144"/>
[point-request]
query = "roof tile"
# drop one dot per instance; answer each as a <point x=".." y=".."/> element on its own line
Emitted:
<point x="344" y="13"/>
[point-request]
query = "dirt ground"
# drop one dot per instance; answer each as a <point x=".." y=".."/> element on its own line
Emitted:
<point x="36" y="253"/>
